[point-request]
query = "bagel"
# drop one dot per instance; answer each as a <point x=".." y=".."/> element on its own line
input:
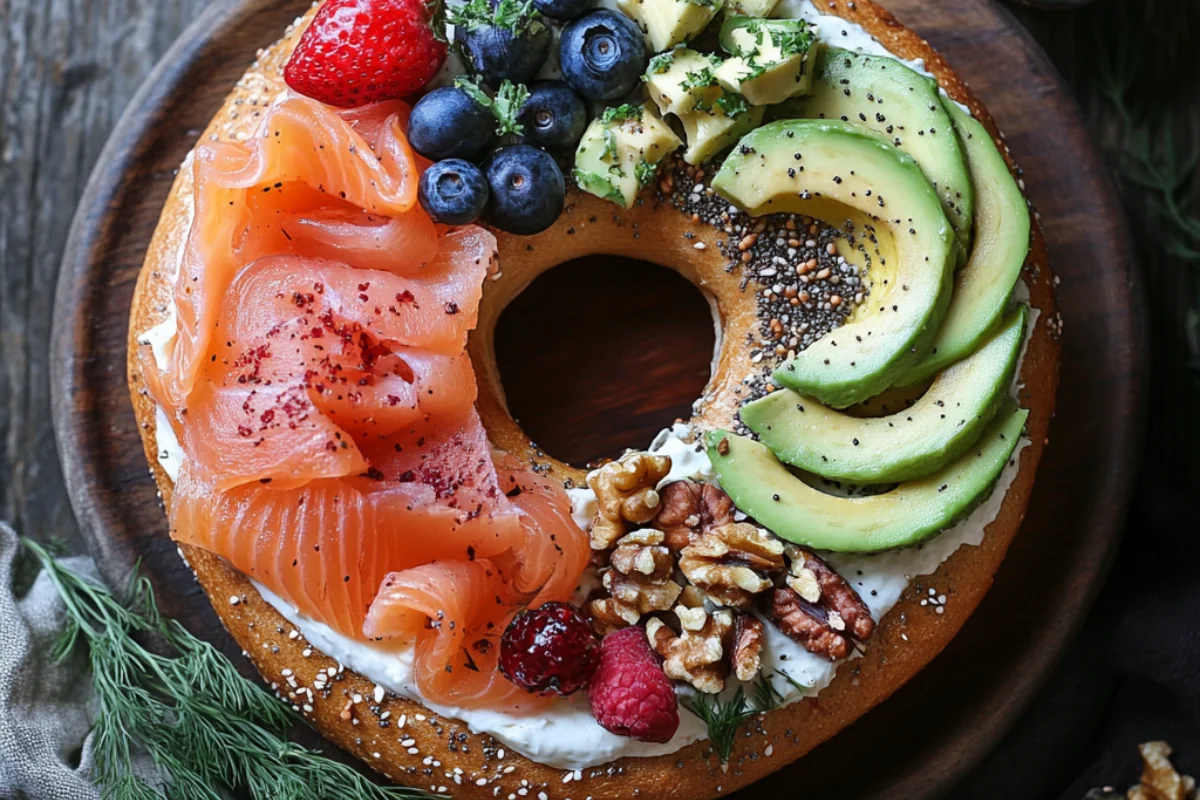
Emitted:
<point x="408" y="742"/>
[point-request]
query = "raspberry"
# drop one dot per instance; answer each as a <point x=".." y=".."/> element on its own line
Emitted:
<point x="357" y="52"/>
<point x="549" y="650"/>
<point x="630" y="693"/>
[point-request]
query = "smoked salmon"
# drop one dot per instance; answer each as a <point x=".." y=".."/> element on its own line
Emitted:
<point x="324" y="400"/>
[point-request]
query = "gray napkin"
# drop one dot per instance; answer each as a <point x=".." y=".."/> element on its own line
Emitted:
<point x="44" y="714"/>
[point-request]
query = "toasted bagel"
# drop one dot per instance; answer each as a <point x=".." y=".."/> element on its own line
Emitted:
<point x="906" y="639"/>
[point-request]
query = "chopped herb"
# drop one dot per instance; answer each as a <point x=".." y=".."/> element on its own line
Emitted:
<point x="645" y="172"/>
<point x="505" y="105"/>
<point x="661" y="63"/>
<point x="623" y="113"/>
<point x="732" y="104"/>
<point x="699" y="79"/>
<point x="792" y="43"/>
<point x="513" y="15"/>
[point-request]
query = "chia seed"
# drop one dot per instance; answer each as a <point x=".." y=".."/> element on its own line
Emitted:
<point x="790" y="262"/>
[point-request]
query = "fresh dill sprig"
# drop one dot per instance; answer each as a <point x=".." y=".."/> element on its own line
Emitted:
<point x="505" y="105"/>
<point x="206" y="728"/>
<point x="725" y="717"/>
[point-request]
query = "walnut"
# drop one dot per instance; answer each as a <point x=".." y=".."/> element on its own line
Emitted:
<point x="818" y="583"/>
<point x="690" y="509"/>
<point x="807" y="624"/>
<point x="746" y="651"/>
<point x="733" y="562"/>
<point x="819" y="609"/>
<point x="638" y="581"/>
<point x="625" y="495"/>
<point x="698" y="653"/>
<point x="1160" y="780"/>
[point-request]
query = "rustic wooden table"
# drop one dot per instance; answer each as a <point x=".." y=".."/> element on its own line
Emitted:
<point x="69" y="67"/>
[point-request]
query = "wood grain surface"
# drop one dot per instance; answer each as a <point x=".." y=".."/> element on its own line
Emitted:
<point x="69" y="67"/>
<point x="930" y="733"/>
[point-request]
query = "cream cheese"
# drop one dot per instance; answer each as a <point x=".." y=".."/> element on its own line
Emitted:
<point x="564" y="736"/>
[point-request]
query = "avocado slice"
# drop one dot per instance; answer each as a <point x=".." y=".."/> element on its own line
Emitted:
<point x="905" y="107"/>
<point x="620" y="151"/>
<point x="834" y="170"/>
<point x="984" y="285"/>
<point x="936" y="430"/>
<point x="761" y="486"/>
<point x="667" y="23"/>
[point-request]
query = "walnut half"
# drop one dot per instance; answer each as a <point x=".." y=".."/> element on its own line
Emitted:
<point x="733" y="562"/>
<point x="625" y="495"/>
<point x="690" y="509"/>
<point x="698" y="654"/>
<point x="819" y="609"/>
<point x="638" y="580"/>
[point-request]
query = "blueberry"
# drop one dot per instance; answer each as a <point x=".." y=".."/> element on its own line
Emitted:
<point x="553" y="117"/>
<point x="512" y="51"/>
<point x="603" y="55"/>
<point x="564" y="9"/>
<point x="527" y="189"/>
<point x="447" y="123"/>
<point x="454" y="192"/>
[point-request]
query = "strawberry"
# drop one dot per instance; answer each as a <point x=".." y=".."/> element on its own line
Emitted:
<point x="358" y="52"/>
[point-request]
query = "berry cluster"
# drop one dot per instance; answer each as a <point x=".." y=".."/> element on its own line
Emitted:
<point x="552" y="650"/>
<point x="498" y="138"/>
<point x="505" y="137"/>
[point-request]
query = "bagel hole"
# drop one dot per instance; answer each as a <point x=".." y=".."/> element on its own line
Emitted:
<point x="601" y="353"/>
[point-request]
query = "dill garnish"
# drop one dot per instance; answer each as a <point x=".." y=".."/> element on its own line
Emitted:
<point x="505" y="105"/>
<point x="206" y="728"/>
<point x="725" y="717"/>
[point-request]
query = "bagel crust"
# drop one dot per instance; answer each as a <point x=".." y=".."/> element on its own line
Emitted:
<point x="416" y="747"/>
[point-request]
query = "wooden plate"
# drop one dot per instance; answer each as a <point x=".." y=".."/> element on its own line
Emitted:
<point x="929" y="734"/>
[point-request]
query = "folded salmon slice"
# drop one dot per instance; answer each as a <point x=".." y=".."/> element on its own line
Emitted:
<point x="456" y="612"/>
<point x="324" y="399"/>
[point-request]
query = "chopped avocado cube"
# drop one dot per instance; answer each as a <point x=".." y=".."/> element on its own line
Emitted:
<point x="772" y="59"/>
<point x="743" y="35"/>
<point x="709" y="131"/>
<point x="752" y="8"/>
<point x="667" y="23"/>
<point x="762" y="487"/>
<point x="914" y="442"/>
<point x="903" y="106"/>
<point x="984" y="285"/>
<point x="681" y="79"/>
<point x="858" y="182"/>
<point x="620" y="152"/>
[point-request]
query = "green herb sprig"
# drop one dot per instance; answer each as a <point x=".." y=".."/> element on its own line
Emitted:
<point x="513" y="15"/>
<point x="204" y="726"/>
<point x="505" y="104"/>
<point x="725" y="717"/>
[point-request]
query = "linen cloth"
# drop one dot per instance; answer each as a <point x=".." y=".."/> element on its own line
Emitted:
<point x="44" y="712"/>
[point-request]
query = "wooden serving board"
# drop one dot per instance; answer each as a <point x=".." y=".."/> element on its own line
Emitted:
<point x="918" y="743"/>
